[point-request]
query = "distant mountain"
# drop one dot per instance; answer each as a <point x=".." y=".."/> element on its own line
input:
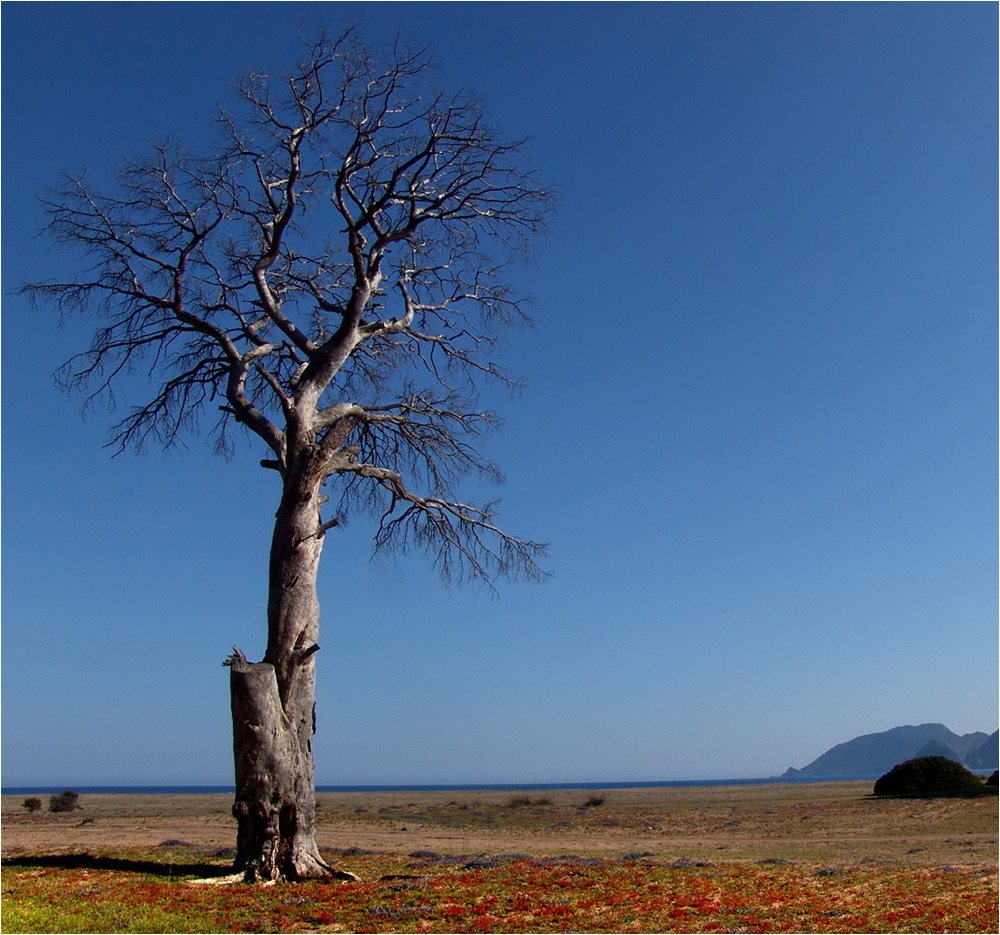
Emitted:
<point x="986" y="756"/>
<point x="874" y="754"/>
<point x="934" y="748"/>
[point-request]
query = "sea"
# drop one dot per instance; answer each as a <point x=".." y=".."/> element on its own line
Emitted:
<point x="457" y="787"/>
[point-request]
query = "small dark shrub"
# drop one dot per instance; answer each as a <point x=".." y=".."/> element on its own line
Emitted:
<point x="519" y="801"/>
<point x="64" y="802"/>
<point x="594" y="801"/>
<point x="32" y="804"/>
<point x="991" y="780"/>
<point x="926" y="776"/>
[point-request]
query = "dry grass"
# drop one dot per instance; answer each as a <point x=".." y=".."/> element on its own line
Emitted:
<point x="823" y="822"/>
<point x="778" y="857"/>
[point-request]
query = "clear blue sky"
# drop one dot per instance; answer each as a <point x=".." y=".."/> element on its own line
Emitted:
<point x="759" y="434"/>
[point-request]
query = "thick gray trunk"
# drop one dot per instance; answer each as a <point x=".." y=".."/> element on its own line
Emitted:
<point x="275" y="804"/>
<point x="273" y="704"/>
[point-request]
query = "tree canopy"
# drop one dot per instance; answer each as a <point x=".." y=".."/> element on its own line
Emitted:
<point x="332" y="278"/>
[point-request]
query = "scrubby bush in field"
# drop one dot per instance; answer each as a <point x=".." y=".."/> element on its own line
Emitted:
<point x="32" y="804"/>
<point x="64" y="802"/>
<point x="993" y="778"/>
<point x="519" y="801"/>
<point x="927" y="775"/>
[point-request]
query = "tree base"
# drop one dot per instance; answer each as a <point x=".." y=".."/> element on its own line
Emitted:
<point x="305" y="868"/>
<point x="275" y="806"/>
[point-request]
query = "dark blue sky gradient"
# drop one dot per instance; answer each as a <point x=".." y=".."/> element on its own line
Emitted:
<point x="759" y="433"/>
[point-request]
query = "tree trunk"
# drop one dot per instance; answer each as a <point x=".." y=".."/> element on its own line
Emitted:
<point x="275" y="806"/>
<point x="273" y="704"/>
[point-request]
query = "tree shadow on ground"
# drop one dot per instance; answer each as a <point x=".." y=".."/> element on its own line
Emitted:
<point x="165" y="868"/>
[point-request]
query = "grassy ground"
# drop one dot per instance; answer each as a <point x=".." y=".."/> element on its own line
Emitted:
<point x="142" y="892"/>
<point x="781" y="857"/>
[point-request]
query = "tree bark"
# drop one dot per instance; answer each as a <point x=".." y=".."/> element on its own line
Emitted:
<point x="273" y="705"/>
<point x="275" y="804"/>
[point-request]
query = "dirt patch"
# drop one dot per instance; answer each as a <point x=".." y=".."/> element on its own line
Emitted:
<point x="827" y="823"/>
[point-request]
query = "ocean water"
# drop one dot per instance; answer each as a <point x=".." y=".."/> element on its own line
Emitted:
<point x="457" y="787"/>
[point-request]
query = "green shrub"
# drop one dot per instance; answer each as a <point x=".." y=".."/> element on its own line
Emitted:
<point x="928" y="775"/>
<point x="64" y="802"/>
<point x="32" y="804"/>
<point x="993" y="778"/>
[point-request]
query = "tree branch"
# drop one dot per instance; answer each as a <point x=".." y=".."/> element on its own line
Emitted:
<point x="348" y="243"/>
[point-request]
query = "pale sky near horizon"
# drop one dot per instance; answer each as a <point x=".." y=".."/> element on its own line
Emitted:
<point x="759" y="431"/>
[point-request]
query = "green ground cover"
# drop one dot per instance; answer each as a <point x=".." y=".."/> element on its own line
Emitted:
<point x="153" y="891"/>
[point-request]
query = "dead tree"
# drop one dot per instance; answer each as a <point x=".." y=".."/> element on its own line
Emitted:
<point x="331" y="278"/>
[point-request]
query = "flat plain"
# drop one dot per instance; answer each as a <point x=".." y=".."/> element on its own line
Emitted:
<point x="770" y="857"/>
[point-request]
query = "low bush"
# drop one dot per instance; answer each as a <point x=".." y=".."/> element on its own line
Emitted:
<point x="993" y="778"/>
<point x="520" y="801"/>
<point x="66" y="801"/>
<point x="32" y="804"/>
<point x="928" y="775"/>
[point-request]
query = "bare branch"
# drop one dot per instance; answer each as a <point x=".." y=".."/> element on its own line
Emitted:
<point x="333" y="278"/>
<point x="462" y="540"/>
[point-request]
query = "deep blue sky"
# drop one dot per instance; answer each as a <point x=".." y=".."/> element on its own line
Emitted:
<point x="759" y="434"/>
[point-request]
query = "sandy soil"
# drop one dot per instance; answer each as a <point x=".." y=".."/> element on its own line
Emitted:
<point x="825" y="823"/>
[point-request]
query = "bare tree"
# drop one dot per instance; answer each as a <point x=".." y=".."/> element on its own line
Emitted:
<point x="330" y="279"/>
